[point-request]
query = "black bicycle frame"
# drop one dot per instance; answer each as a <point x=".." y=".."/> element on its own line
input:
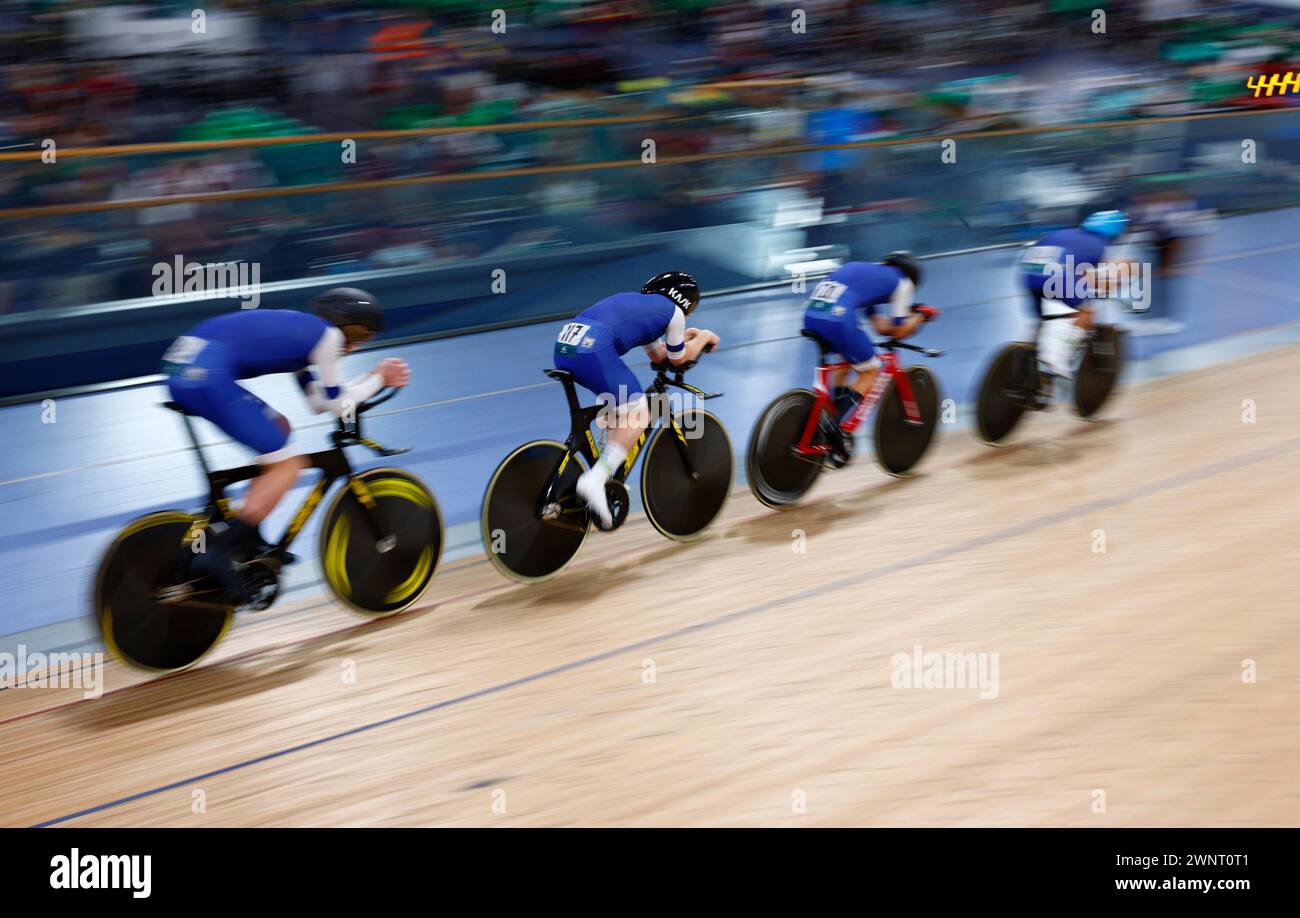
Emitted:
<point x="332" y="462"/>
<point x="580" y="439"/>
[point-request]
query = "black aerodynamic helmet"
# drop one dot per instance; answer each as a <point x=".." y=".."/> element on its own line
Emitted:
<point x="907" y="263"/>
<point x="678" y="286"/>
<point x="345" y="306"/>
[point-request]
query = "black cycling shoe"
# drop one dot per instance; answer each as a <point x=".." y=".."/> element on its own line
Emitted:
<point x="234" y="579"/>
<point x="273" y="552"/>
<point x="839" y="444"/>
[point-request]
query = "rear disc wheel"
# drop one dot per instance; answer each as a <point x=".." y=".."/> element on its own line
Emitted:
<point x="1001" y="401"/>
<point x="139" y="570"/>
<point x="778" y="477"/>
<point x="524" y="541"/>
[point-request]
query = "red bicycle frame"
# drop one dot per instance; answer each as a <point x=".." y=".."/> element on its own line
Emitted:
<point x="889" y="370"/>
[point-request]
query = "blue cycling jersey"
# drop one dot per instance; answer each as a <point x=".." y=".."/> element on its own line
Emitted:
<point x="1051" y="254"/>
<point x="630" y="319"/>
<point x="859" y="285"/>
<point x="255" y="342"/>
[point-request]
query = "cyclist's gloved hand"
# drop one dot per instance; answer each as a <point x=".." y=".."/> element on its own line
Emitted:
<point x="929" y="312"/>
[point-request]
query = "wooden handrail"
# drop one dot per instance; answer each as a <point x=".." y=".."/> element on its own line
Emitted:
<point x="253" y="194"/>
<point x="234" y="143"/>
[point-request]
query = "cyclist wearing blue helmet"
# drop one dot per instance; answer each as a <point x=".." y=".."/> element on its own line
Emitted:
<point x="1060" y="273"/>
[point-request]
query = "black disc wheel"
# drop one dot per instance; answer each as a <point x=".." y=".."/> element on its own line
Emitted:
<point x="1002" y="397"/>
<point x="900" y="444"/>
<point x="527" y="538"/>
<point x="150" y="614"/>
<point x="681" y="505"/>
<point x="777" y="476"/>
<point x="1103" y="359"/>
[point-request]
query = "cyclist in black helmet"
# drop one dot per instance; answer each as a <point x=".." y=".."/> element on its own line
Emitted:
<point x="591" y="347"/>
<point x="884" y="291"/>
<point x="205" y="367"/>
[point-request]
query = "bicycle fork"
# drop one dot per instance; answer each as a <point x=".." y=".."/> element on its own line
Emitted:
<point x="385" y="540"/>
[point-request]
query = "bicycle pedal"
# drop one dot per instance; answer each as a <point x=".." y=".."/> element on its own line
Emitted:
<point x="281" y="557"/>
<point x="619" y="502"/>
<point x="841" y="454"/>
<point x="270" y="562"/>
<point x="265" y="585"/>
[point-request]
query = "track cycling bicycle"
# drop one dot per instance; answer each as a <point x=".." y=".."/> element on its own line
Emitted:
<point x="1015" y="382"/>
<point x="380" y="544"/>
<point x="791" y="441"/>
<point x="533" y="521"/>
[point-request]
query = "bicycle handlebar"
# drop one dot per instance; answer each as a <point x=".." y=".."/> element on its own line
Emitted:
<point x="890" y="344"/>
<point x="667" y="366"/>
<point x="378" y="398"/>
<point x="349" y="430"/>
<point x="678" y="371"/>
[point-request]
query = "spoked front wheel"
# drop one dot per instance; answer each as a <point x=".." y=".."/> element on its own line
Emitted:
<point x="679" y="505"/>
<point x="526" y="540"/>
<point x="899" y="443"/>
<point x="381" y="541"/>
<point x="150" y="615"/>
<point x="1003" y="394"/>
<point x="777" y="476"/>
<point x="1103" y="359"/>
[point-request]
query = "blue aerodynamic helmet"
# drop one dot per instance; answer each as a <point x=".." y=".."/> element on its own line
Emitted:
<point x="1109" y="224"/>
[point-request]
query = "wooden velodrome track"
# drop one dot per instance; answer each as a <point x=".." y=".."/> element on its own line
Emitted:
<point x="728" y="681"/>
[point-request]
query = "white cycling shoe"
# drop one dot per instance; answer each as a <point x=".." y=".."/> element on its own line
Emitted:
<point x="592" y="491"/>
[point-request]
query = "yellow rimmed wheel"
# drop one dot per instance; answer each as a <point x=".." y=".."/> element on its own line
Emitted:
<point x="150" y="614"/>
<point x="381" y="541"/>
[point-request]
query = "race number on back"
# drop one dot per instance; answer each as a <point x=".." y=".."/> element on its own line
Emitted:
<point x="572" y="334"/>
<point x="184" y="349"/>
<point x="828" y="291"/>
<point x="1042" y="259"/>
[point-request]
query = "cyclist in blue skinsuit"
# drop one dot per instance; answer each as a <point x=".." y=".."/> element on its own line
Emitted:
<point x="1077" y="252"/>
<point x="832" y="315"/>
<point x="204" y="369"/>
<point x="591" y="347"/>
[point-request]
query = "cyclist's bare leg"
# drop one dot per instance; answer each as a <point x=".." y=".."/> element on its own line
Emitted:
<point x="242" y="533"/>
<point x="624" y="425"/>
<point x="268" y="488"/>
<point x="866" y="379"/>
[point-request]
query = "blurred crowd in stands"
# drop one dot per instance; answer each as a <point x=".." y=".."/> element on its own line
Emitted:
<point x="89" y="74"/>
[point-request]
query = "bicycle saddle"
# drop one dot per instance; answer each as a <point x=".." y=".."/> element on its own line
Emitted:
<point x="172" y="406"/>
<point x="818" y="340"/>
<point x="561" y="375"/>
